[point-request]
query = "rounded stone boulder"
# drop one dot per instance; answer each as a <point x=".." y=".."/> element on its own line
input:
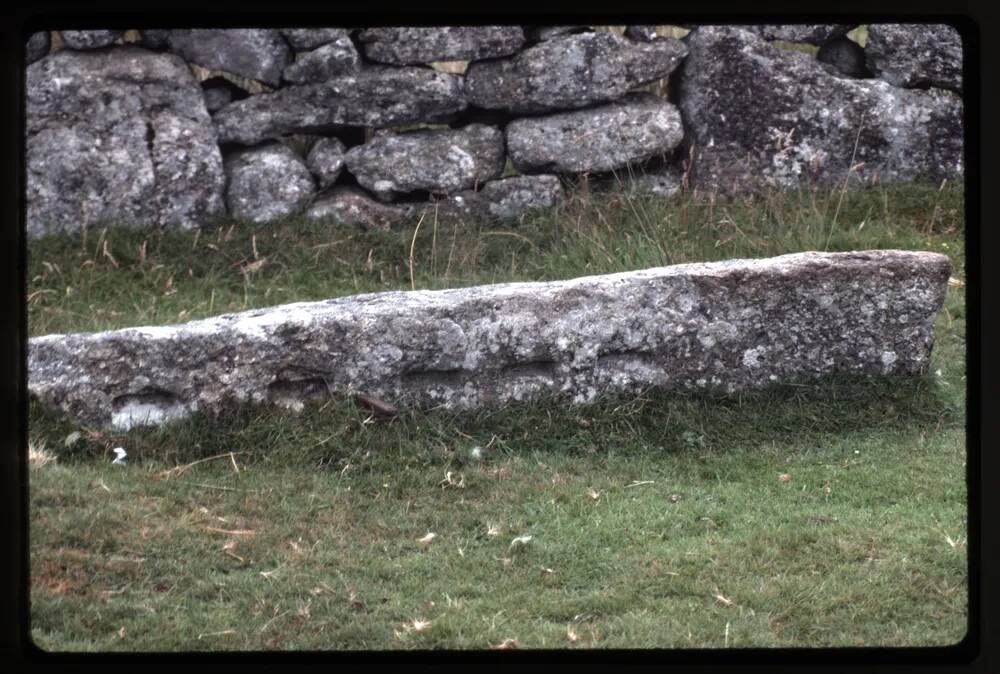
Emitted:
<point x="325" y="161"/>
<point x="572" y="71"/>
<point x="257" y="54"/>
<point x="916" y="55"/>
<point x="307" y="39"/>
<point x="329" y="60"/>
<point x="809" y="33"/>
<point x="507" y="200"/>
<point x="351" y="207"/>
<point x="37" y="46"/>
<point x="90" y="39"/>
<point x="416" y="45"/>
<point x="267" y="183"/>
<point x="437" y="160"/>
<point x="599" y="139"/>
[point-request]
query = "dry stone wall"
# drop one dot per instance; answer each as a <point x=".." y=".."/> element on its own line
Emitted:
<point x="125" y="128"/>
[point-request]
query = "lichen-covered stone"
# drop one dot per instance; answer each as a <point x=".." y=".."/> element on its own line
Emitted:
<point x="417" y="45"/>
<point x="37" y="46"/>
<point x="89" y="39"/>
<point x="598" y="139"/>
<point x="257" y="54"/>
<point x="815" y="34"/>
<point x="351" y="207"/>
<point x="267" y="183"/>
<point x="437" y="160"/>
<point x="119" y="137"/>
<point x="845" y="57"/>
<point x="569" y="72"/>
<point x="376" y="96"/>
<point x="503" y="201"/>
<point x="329" y="60"/>
<point x="325" y="161"/>
<point x="307" y="39"/>
<point x="725" y="326"/>
<point x="760" y="116"/>
<point x="916" y="55"/>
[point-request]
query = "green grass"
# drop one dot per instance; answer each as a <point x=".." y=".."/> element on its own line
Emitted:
<point x="656" y="522"/>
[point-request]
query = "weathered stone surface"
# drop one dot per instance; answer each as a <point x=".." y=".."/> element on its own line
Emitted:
<point x="375" y="96"/>
<point x="436" y="160"/>
<point x="662" y="182"/>
<point x="845" y="57"/>
<point x="89" y="39"/>
<point x="916" y="55"/>
<point x="815" y="34"/>
<point x="306" y="39"/>
<point x="351" y="207"/>
<point x="37" y="46"/>
<point x="570" y="72"/>
<point x="598" y="139"/>
<point x="157" y="38"/>
<point x="542" y="33"/>
<point x="641" y="33"/>
<point x="338" y="57"/>
<point x="325" y="161"/>
<point x="257" y="54"/>
<point x="504" y="201"/>
<point x="220" y="92"/>
<point x="763" y="116"/>
<point x="118" y="136"/>
<point x="416" y="45"/>
<point x="267" y="183"/>
<point x="727" y="326"/>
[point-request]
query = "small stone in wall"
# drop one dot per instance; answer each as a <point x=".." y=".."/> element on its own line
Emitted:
<point x="438" y="160"/>
<point x="256" y="54"/>
<point x="37" y="46"/>
<point x="419" y="45"/>
<point x="89" y="39"/>
<point x="267" y="183"/>
<point x="916" y="55"/>
<point x="505" y="201"/>
<point x="320" y="64"/>
<point x="157" y="38"/>
<point x="306" y="39"/>
<point x="844" y="56"/>
<point x="814" y="34"/>
<point x="542" y="33"/>
<point x="641" y="33"/>
<point x="325" y="161"/>
<point x="351" y="207"/>
<point x="220" y="92"/>
<point x="660" y="182"/>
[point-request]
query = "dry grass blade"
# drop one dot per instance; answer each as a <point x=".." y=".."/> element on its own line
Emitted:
<point x="180" y="470"/>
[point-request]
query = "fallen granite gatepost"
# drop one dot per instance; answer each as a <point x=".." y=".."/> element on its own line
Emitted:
<point x="727" y="325"/>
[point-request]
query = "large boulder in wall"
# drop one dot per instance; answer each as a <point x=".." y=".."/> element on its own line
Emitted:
<point x="118" y="136"/>
<point x="256" y="54"/>
<point x="916" y="55"/>
<point x="760" y="116"/>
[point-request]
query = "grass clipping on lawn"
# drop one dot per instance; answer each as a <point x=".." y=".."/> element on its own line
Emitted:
<point x="828" y="515"/>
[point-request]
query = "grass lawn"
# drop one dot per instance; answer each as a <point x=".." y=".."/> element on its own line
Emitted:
<point x="831" y="514"/>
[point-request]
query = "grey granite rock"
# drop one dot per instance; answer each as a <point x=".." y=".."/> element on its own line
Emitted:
<point x="89" y="39"/>
<point x="220" y="92"/>
<point x="845" y="56"/>
<point x="37" y="46"/>
<point x="375" y="96"/>
<point x="724" y="326"/>
<point x="417" y="45"/>
<point x="916" y="55"/>
<point x="267" y="183"/>
<point x="338" y="57"/>
<point x="307" y="39"/>
<point x="542" y="33"/>
<point x="641" y="33"/>
<point x="815" y="34"/>
<point x="762" y="116"/>
<point x="598" y="139"/>
<point x="571" y="71"/>
<point x="504" y="201"/>
<point x="118" y="136"/>
<point x="351" y="207"/>
<point x="325" y="161"/>
<point x="665" y="181"/>
<point x="257" y="54"/>
<point x="437" y="160"/>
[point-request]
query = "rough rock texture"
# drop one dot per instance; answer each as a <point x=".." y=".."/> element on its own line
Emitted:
<point x="763" y="116"/>
<point x="815" y="34"/>
<point x="416" y="45"/>
<point x="267" y="183"/>
<point x="157" y="38"/>
<point x="504" y="201"/>
<point x="662" y="182"/>
<point x="306" y="39"/>
<point x="37" y="46"/>
<point x="338" y="57"/>
<point x="325" y="161"/>
<point x="916" y="55"/>
<point x="542" y="33"/>
<point x="569" y="72"/>
<point x="726" y="326"/>
<point x="845" y="56"/>
<point x="597" y="139"/>
<point x="89" y="39"/>
<point x="220" y="92"/>
<point x="437" y="160"/>
<point x="641" y="33"/>
<point x="375" y="96"/>
<point x="351" y="207"/>
<point x="118" y="136"/>
<point x="257" y="54"/>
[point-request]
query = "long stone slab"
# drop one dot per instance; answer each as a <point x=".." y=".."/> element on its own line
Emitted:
<point x="727" y="325"/>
